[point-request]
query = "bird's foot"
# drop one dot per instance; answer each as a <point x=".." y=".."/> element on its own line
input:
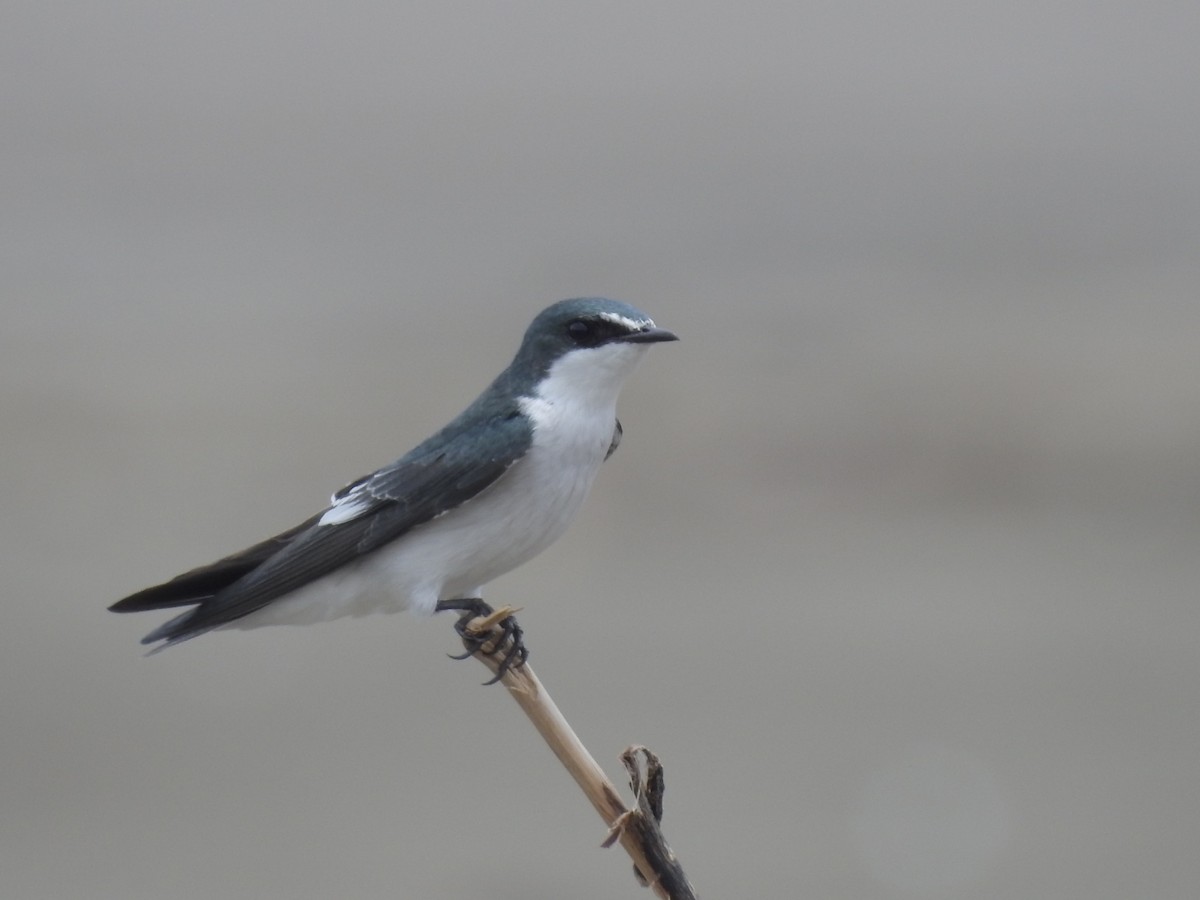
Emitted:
<point x="490" y="632"/>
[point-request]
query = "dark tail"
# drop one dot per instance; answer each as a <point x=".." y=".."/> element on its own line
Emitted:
<point x="202" y="584"/>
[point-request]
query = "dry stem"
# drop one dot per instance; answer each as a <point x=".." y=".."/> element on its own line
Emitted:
<point x="636" y="829"/>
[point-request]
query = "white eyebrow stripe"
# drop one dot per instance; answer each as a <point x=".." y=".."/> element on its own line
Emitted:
<point x="625" y="321"/>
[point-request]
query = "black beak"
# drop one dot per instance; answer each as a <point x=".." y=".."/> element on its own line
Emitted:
<point x="650" y="336"/>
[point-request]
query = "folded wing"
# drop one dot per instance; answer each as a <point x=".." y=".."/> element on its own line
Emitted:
<point x="431" y="480"/>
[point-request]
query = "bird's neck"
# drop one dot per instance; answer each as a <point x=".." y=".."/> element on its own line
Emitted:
<point x="577" y="400"/>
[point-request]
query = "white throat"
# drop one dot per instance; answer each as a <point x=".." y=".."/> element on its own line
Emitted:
<point x="590" y="378"/>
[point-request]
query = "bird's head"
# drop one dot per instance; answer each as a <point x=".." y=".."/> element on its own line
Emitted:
<point x="589" y="334"/>
<point x="585" y="347"/>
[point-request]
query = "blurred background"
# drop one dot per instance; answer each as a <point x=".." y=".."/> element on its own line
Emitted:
<point x="896" y="567"/>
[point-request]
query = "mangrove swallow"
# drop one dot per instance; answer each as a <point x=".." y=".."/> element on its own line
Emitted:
<point x="485" y="494"/>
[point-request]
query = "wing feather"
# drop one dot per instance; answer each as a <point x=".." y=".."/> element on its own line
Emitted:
<point x="436" y="477"/>
<point x="203" y="582"/>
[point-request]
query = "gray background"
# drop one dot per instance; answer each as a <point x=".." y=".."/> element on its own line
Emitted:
<point x="896" y="567"/>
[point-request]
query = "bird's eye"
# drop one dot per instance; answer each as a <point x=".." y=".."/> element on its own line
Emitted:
<point x="579" y="330"/>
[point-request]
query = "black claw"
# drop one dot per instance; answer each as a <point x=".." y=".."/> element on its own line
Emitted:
<point x="516" y="651"/>
<point x="510" y="640"/>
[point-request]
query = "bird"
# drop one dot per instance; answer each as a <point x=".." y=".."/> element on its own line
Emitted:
<point x="485" y="494"/>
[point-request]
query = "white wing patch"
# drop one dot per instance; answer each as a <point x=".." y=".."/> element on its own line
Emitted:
<point x="349" y="506"/>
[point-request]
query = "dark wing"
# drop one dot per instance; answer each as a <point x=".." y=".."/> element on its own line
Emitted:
<point x="616" y="440"/>
<point x="199" y="584"/>
<point x="433" y="479"/>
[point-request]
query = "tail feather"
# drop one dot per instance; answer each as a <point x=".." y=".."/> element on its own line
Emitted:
<point x="202" y="584"/>
<point x="172" y="631"/>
